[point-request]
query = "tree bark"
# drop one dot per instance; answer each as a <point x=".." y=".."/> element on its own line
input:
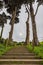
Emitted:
<point x="12" y="24"/>
<point x="27" y="30"/>
<point x="2" y="30"/>
<point x="35" y="38"/>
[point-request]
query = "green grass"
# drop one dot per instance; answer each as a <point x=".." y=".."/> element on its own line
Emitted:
<point x="29" y="47"/>
<point x="4" y="49"/>
<point x="38" y="50"/>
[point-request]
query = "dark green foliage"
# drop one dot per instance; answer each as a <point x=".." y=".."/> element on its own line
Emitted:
<point x="11" y="4"/>
<point x="1" y="4"/>
<point x="16" y="21"/>
<point x="17" y="13"/>
<point x="9" y="10"/>
<point x="3" y="18"/>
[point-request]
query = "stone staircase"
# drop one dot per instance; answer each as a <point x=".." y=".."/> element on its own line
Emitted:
<point x="20" y="56"/>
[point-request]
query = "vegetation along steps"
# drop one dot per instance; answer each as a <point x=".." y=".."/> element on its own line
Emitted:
<point x="19" y="57"/>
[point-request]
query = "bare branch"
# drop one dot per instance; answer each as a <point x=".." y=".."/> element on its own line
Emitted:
<point x="38" y="7"/>
<point x="36" y="10"/>
<point x="27" y="8"/>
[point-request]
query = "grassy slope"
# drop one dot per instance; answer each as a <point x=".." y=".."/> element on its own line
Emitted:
<point x="38" y="50"/>
<point x="4" y="49"/>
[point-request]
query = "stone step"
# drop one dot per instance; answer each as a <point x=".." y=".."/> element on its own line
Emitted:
<point x="19" y="54"/>
<point x="19" y="57"/>
<point x="21" y="64"/>
<point x="22" y="61"/>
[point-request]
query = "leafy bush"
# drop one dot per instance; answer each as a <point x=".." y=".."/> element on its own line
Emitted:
<point x="29" y="47"/>
<point x="19" y="44"/>
<point x="38" y="50"/>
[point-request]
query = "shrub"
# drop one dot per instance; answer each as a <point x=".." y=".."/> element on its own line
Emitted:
<point x="30" y="48"/>
<point x="38" y="51"/>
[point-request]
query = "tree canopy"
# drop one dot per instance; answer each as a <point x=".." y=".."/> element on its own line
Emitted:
<point x="1" y="4"/>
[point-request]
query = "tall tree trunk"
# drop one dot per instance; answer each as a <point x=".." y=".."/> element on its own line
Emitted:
<point x="11" y="32"/>
<point x="27" y="30"/>
<point x="12" y="24"/>
<point x="2" y="30"/>
<point x="35" y="38"/>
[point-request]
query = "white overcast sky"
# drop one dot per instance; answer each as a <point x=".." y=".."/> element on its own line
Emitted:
<point x="19" y="32"/>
